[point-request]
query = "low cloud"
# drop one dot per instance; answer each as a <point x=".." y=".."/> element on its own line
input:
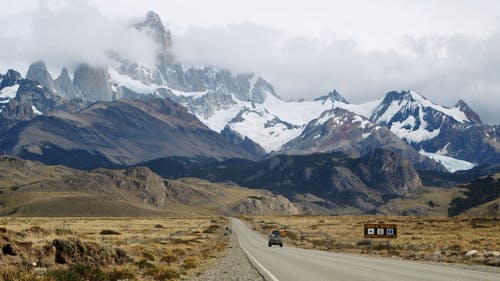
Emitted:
<point x="443" y="68"/>
<point x="68" y="34"/>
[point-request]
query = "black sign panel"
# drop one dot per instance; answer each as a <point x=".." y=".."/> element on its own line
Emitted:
<point x="381" y="230"/>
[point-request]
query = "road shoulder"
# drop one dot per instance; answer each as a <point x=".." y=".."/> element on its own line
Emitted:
<point x="233" y="264"/>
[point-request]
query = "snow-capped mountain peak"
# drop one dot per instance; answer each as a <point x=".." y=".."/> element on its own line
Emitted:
<point x="334" y="96"/>
<point x="469" y="113"/>
<point x="397" y="106"/>
<point x="413" y="117"/>
<point x="342" y="117"/>
<point x="263" y="127"/>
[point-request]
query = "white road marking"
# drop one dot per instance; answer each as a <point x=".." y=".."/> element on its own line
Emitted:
<point x="273" y="278"/>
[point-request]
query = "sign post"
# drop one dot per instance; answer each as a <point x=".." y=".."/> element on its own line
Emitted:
<point x="380" y="230"/>
<point x="371" y="246"/>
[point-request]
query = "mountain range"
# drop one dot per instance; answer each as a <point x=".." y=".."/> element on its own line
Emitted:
<point x="381" y="182"/>
<point x="86" y="112"/>
<point x="118" y="133"/>
<point x="326" y="155"/>
<point x="316" y="182"/>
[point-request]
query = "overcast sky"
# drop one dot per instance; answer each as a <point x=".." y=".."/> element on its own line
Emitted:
<point x="446" y="50"/>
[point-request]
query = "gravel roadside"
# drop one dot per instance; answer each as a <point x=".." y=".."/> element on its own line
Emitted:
<point x="232" y="265"/>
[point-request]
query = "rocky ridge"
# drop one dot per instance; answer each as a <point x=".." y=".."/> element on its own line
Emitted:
<point x="317" y="183"/>
<point x="118" y="133"/>
<point x="33" y="189"/>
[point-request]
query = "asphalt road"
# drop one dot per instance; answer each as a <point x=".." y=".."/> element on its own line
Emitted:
<point x="289" y="264"/>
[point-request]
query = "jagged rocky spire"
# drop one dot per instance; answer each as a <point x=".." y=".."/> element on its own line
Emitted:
<point x="153" y="25"/>
<point x="65" y="84"/>
<point x="38" y="72"/>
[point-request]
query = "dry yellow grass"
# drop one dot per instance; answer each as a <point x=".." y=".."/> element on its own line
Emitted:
<point x="156" y="246"/>
<point x="438" y="238"/>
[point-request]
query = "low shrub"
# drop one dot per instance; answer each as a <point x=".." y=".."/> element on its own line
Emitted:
<point x="166" y="273"/>
<point x="205" y="253"/>
<point x="220" y="246"/>
<point x="212" y="228"/>
<point x="179" y="252"/>
<point x="109" y="232"/>
<point x="63" y="231"/>
<point x="148" y="256"/>
<point x="80" y="272"/>
<point x="11" y="274"/>
<point x="272" y="226"/>
<point x="37" y="230"/>
<point x="65" y="275"/>
<point x="89" y="272"/>
<point x="364" y="242"/>
<point x="169" y="258"/>
<point x="144" y="264"/>
<point x="189" y="263"/>
<point x="121" y="274"/>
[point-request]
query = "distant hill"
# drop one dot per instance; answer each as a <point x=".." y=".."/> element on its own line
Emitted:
<point x="29" y="188"/>
<point x="380" y="182"/>
<point x="377" y="183"/>
<point x="321" y="183"/>
<point x="482" y="195"/>
<point x="446" y="179"/>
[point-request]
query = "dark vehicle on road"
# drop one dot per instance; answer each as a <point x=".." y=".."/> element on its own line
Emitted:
<point x="275" y="239"/>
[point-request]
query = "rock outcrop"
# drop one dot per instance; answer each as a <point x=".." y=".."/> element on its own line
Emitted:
<point x="64" y="84"/>
<point x="266" y="205"/>
<point x="38" y="72"/>
<point x="93" y="83"/>
<point x="388" y="172"/>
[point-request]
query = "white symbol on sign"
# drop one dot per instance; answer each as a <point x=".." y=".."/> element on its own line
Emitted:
<point x="371" y="231"/>
<point x="380" y="231"/>
<point x="390" y="231"/>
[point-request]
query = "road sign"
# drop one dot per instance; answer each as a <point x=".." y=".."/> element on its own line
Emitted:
<point x="381" y="230"/>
